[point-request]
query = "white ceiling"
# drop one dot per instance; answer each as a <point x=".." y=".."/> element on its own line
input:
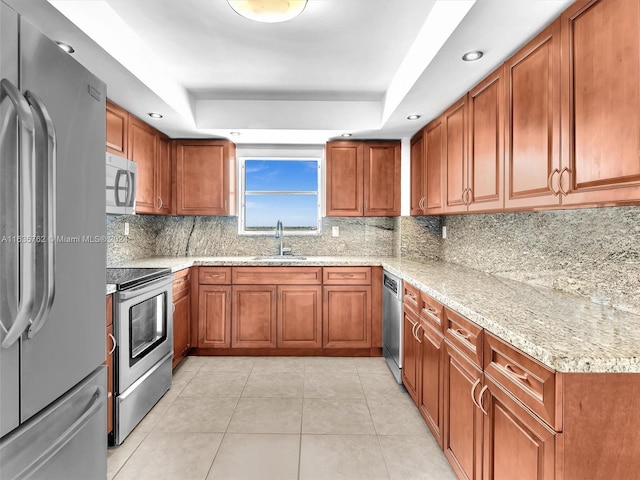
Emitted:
<point x="358" y="66"/>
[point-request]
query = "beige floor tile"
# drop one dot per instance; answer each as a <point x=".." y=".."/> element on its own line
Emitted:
<point x="197" y="414"/>
<point x="381" y="385"/>
<point x="191" y="363"/>
<point x="326" y="384"/>
<point x="256" y="456"/>
<point x="330" y="364"/>
<point x="117" y="456"/>
<point x="415" y="458"/>
<point x="172" y="456"/>
<point x="396" y="416"/>
<point x="341" y="457"/>
<point x="274" y="384"/>
<point x="267" y="415"/>
<point x="216" y="384"/>
<point x="182" y="375"/>
<point x="278" y="364"/>
<point x="227" y="364"/>
<point x="336" y="416"/>
<point x="151" y="418"/>
<point x="372" y="365"/>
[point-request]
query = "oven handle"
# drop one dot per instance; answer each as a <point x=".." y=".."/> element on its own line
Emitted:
<point x="147" y="288"/>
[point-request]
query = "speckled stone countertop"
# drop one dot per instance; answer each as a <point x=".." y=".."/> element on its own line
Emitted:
<point x="111" y="288"/>
<point x="564" y="332"/>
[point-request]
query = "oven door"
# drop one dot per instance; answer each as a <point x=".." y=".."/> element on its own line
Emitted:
<point x="143" y="328"/>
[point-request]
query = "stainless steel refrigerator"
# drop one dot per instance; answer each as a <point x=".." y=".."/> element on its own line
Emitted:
<point x="52" y="260"/>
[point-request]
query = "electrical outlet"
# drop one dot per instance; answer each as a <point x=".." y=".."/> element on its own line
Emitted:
<point x="444" y="232"/>
<point x="126" y="229"/>
<point x="335" y="231"/>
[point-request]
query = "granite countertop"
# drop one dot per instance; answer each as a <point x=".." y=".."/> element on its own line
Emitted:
<point x="564" y="332"/>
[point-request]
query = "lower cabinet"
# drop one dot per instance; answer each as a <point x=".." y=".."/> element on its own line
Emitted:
<point x="410" y="353"/>
<point x="347" y="317"/>
<point x="214" y="316"/>
<point x="253" y="316"/>
<point x="299" y="316"/>
<point x="181" y="315"/>
<point x="431" y="376"/>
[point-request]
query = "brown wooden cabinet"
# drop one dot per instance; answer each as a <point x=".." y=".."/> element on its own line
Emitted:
<point x="427" y="170"/>
<point x="410" y="353"/>
<point x="204" y="177"/>
<point x="363" y="179"/>
<point x="532" y="132"/>
<point x="111" y="346"/>
<point x="117" y="130"/>
<point x="163" y="176"/>
<point x="299" y="316"/>
<point x="600" y="102"/>
<point x="253" y="316"/>
<point x="214" y="307"/>
<point x="417" y="173"/>
<point x="181" y="315"/>
<point x="455" y="138"/>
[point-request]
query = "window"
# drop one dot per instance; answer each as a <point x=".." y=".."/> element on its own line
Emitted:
<point x="285" y="189"/>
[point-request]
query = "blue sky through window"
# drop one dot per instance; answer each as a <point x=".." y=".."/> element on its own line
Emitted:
<point x="284" y="190"/>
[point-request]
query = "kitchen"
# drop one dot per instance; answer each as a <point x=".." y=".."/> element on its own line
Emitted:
<point x="523" y="250"/>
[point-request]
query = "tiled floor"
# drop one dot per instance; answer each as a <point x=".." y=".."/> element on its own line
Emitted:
<point x="261" y="418"/>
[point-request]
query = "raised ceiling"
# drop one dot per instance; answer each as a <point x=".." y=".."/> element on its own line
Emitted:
<point x="356" y="66"/>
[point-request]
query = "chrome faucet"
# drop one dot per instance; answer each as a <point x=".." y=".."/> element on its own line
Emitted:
<point x="280" y="235"/>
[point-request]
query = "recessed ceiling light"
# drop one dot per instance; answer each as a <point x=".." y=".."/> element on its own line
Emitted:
<point x="235" y="134"/>
<point x="66" y="47"/>
<point x="472" y="56"/>
<point x="413" y="117"/>
<point x="347" y="134"/>
<point x="268" y="11"/>
<point x="155" y="115"/>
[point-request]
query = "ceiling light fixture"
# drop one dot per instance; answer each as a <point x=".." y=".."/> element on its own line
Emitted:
<point x="235" y="134"/>
<point x="347" y="134"/>
<point x="472" y="56"/>
<point x="66" y="47"/>
<point x="155" y="115"/>
<point x="268" y="11"/>
<point x="413" y="117"/>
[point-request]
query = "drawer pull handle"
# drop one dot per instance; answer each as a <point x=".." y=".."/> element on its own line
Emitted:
<point x="432" y="315"/>
<point x="412" y="296"/>
<point x="214" y="275"/>
<point x="520" y="376"/>
<point x="463" y="334"/>
<point x="347" y="275"/>
<point x="473" y="391"/>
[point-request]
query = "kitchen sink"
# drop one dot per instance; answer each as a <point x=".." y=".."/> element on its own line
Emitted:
<point x="279" y="258"/>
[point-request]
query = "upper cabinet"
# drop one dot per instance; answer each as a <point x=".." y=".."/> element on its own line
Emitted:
<point x="532" y="135"/>
<point x="417" y="173"/>
<point x="117" y="130"/>
<point x="363" y="179"/>
<point x="600" y="102"/>
<point x="205" y="177"/>
<point x="454" y="129"/>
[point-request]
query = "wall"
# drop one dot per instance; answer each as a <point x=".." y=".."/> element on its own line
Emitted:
<point x="589" y="252"/>
<point x="218" y="236"/>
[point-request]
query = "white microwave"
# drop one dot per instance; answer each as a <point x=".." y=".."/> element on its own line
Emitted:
<point x="121" y="185"/>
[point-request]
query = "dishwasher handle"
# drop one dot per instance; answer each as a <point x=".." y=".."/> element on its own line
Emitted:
<point x="392" y="284"/>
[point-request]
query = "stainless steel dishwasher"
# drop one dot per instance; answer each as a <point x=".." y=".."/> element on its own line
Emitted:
<point x="392" y="323"/>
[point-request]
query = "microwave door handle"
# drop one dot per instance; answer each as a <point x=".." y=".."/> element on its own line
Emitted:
<point x="26" y="212"/>
<point x="131" y="190"/>
<point x="116" y="188"/>
<point x="48" y="145"/>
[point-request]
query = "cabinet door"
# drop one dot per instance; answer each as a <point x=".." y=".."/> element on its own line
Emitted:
<point x="163" y="176"/>
<point x="532" y="136"/>
<point x="214" y="316"/>
<point x="109" y="363"/>
<point x="253" y="316"/>
<point x="344" y="176"/>
<point x="142" y="150"/>
<point x="410" y="351"/>
<point x="516" y="444"/>
<point x="462" y="441"/>
<point x="431" y="371"/>
<point x="117" y="130"/>
<point x="181" y="325"/>
<point x="486" y="144"/>
<point x="433" y="172"/>
<point x="382" y="179"/>
<point x="202" y="178"/>
<point x="347" y="317"/>
<point x="417" y="173"/>
<point x="601" y="101"/>
<point x="299" y="317"/>
<point x="455" y="156"/>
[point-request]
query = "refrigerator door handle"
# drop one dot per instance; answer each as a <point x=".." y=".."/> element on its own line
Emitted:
<point x="49" y="240"/>
<point x="96" y="402"/>
<point x="27" y="213"/>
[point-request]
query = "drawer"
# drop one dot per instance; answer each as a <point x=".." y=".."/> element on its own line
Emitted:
<point x="109" y="311"/>
<point x="347" y="276"/>
<point x="431" y="311"/>
<point x="465" y="335"/>
<point x="532" y="383"/>
<point x="277" y="275"/>
<point x="182" y="281"/>
<point x="214" y="275"/>
<point x="410" y="297"/>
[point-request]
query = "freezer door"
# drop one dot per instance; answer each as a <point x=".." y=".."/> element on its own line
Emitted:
<point x="65" y="441"/>
<point x="9" y="390"/>
<point x="70" y="343"/>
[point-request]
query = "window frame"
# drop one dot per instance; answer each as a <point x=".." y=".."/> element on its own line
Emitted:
<point x="242" y="197"/>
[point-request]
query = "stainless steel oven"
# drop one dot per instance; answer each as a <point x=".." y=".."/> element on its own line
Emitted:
<point x="143" y="328"/>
